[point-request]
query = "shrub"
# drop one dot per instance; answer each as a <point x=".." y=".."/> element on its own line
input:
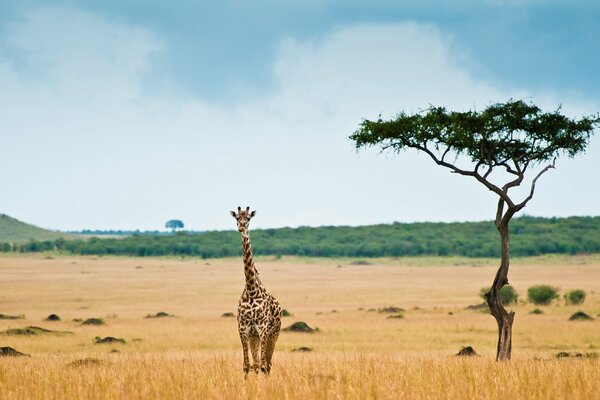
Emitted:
<point x="542" y="294"/>
<point x="508" y="295"/>
<point x="576" y="296"/>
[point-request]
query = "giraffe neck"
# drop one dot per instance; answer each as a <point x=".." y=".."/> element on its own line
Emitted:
<point x="252" y="280"/>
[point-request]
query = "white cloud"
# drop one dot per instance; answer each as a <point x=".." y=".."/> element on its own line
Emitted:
<point x="86" y="146"/>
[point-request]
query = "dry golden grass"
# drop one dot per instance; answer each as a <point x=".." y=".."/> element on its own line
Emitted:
<point x="357" y="353"/>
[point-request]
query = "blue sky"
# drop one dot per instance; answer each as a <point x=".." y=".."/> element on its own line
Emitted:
<point x="126" y="114"/>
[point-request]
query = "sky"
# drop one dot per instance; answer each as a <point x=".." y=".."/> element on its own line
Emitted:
<point x="123" y="115"/>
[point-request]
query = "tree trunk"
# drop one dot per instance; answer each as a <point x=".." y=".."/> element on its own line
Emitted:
<point x="503" y="318"/>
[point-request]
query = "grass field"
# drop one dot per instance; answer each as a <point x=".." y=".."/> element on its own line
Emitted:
<point x="356" y="354"/>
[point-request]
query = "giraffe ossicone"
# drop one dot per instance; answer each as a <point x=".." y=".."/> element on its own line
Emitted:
<point x="259" y="312"/>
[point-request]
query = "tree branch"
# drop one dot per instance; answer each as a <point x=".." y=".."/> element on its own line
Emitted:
<point x="474" y="174"/>
<point x="524" y="202"/>
<point x="499" y="212"/>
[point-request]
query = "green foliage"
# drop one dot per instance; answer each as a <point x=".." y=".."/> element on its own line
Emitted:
<point x="502" y="132"/>
<point x="508" y="295"/>
<point x="542" y="294"/>
<point x="531" y="236"/>
<point x="576" y="296"/>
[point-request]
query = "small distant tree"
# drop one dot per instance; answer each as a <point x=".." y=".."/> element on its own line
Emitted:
<point x="497" y="147"/>
<point x="174" y="224"/>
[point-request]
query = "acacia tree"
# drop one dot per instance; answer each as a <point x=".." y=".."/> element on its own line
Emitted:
<point x="498" y="147"/>
<point x="174" y="224"/>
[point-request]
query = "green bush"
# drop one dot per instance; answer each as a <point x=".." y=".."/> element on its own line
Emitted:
<point x="576" y="296"/>
<point x="542" y="294"/>
<point x="508" y="295"/>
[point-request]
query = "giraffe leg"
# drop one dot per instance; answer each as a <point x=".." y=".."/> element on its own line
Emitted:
<point x="264" y="350"/>
<point x="272" y="340"/>
<point x="244" y="339"/>
<point x="254" y="343"/>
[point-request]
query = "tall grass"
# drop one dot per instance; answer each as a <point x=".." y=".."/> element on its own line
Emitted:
<point x="297" y="376"/>
<point x="358" y="354"/>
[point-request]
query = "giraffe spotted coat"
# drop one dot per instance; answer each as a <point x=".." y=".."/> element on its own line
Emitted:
<point x="259" y="313"/>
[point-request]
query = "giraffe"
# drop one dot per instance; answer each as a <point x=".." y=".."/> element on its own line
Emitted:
<point x="259" y="313"/>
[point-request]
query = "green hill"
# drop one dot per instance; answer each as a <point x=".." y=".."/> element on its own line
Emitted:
<point x="14" y="231"/>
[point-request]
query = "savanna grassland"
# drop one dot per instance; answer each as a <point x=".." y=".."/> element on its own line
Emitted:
<point x="357" y="353"/>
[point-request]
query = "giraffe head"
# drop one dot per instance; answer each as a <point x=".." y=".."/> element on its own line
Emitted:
<point x="243" y="217"/>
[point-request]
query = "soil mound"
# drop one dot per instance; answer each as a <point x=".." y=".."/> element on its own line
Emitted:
<point x="4" y="316"/>
<point x="160" y="314"/>
<point x="302" y="349"/>
<point x="93" y="321"/>
<point x="10" y="352"/>
<point x="299" y="326"/>
<point x="467" y="351"/>
<point x="52" y="317"/>
<point x="580" y="316"/>
<point x="108" y="339"/>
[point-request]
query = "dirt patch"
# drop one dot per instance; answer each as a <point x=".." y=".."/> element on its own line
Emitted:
<point x="52" y="317"/>
<point x="566" y="354"/>
<point x="396" y="316"/>
<point x="86" y="362"/>
<point x="10" y="352"/>
<point x="160" y="314"/>
<point x="4" y="316"/>
<point x="391" y="310"/>
<point x="302" y="349"/>
<point x="227" y="315"/>
<point x="580" y="316"/>
<point x="467" y="351"/>
<point x="30" y="331"/>
<point x="108" y="339"/>
<point x="93" y="321"/>
<point x="478" y="307"/>
<point x="360" y="262"/>
<point x="299" y="326"/>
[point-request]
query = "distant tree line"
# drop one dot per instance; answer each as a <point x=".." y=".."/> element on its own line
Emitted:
<point x="117" y="232"/>
<point x="531" y="236"/>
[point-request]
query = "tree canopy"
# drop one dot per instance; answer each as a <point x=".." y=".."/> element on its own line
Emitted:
<point x="174" y="224"/>
<point x="498" y="136"/>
